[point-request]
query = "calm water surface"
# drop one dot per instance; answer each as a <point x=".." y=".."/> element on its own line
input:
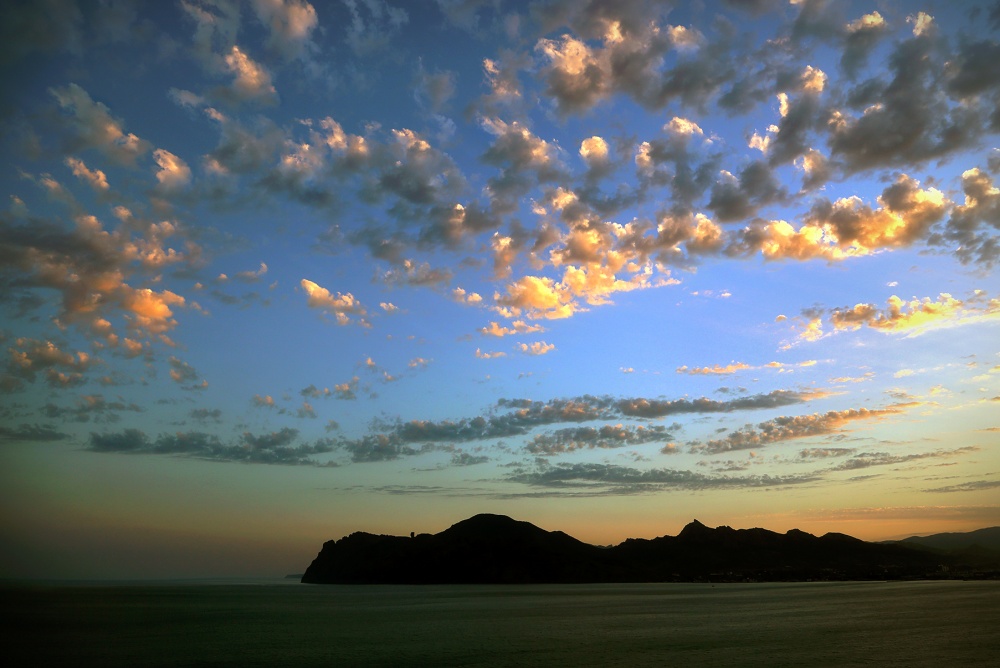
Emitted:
<point x="281" y="623"/>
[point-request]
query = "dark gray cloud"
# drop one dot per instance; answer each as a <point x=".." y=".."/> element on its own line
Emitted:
<point x="610" y="478"/>
<point x="206" y="414"/>
<point x="864" y="460"/>
<point x="972" y="486"/>
<point x="654" y="408"/>
<point x="391" y="440"/>
<point x="91" y="407"/>
<point x="33" y="433"/>
<point x="735" y="199"/>
<point x="272" y="448"/>
<point x="588" y="438"/>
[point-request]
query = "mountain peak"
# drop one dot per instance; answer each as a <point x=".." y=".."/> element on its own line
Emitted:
<point x="695" y="528"/>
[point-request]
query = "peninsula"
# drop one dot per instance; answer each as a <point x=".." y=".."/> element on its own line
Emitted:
<point x="495" y="549"/>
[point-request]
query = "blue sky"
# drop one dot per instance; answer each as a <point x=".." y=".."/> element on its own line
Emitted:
<point x="272" y="272"/>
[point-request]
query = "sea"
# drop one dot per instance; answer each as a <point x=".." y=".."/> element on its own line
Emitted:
<point x="280" y="622"/>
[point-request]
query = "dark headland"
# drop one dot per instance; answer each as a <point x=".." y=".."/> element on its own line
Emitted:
<point x="495" y="549"/>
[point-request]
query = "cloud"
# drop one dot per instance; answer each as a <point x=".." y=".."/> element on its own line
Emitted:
<point x="251" y="81"/>
<point x="206" y="414"/>
<point x="911" y="318"/>
<point x="587" y="438"/>
<point x="343" y="307"/>
<point x="518" y="417"/>
<point x="516" y="327"/>
<point x="715" y="370"/>
<point x="972" y="228"/>
<point x="95" y="178"/>
<point x="181" y="372"/>
<point x="291" y="24"/>
<point x="864" y="460"/>
<point x="466" y="459"/>
<point x="788" y="428"/>
<point x="272" y="448"/>
<point x="30" y="433"/>
<point x="89" y="266"/>
<point x="536" y="348"/>
<point x="654" y="408"/>
<point x="29" y="357"/>
<point x="611" y="479"/>
<point x="861" y="37"/>
<point x="174" y="173"/>
<point x="91" y="407"/>
<point x="263" y="401"/>
<point x="89" y="124"/>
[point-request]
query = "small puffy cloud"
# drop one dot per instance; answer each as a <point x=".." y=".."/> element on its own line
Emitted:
<point x="536" y="348"/>
<point x="410" y="272"/>
<point x="923" y="23"/>
<point x="594" y="150"/>
<point x="95" y="178"/>
<point x="462" y="296"/>
<point x="516" y="327"/>
<point x="251" y="276"/>
<point x="343" y="307"/>
<point x="537" y="296"/>
<point x="489" y="355"/>
<point x="263" y="401"/>
<point x="181" y="372"/>
<point x="347" y="391"/>
<point x="251" y="81"/>
<point x="173" y="173"/>
<point x="290" y="23"/>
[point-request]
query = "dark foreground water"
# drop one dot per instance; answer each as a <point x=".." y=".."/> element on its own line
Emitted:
<point x="279" y="624"/>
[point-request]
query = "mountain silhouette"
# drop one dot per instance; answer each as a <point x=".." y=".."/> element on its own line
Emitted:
<point x="495" y="549"/>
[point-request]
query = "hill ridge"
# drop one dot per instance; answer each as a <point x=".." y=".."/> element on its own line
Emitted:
<point x="494" y="549"/>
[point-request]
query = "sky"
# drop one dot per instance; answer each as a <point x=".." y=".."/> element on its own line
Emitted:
<point x="273" y="272"/>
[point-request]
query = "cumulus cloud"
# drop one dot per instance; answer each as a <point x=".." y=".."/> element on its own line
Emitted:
<point x="972" y="229"/>
<point x="343" y="307"/>
<point x="89" y="124"/>
<point x="28" y="358"/>
<point x="89" y="266"/>
<point x="290" y="23"/>
<point x="174" y="173"/>
<point x="251" y="81"/>
<point x="95" y="178"/>
<point x="536" y="348"/>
